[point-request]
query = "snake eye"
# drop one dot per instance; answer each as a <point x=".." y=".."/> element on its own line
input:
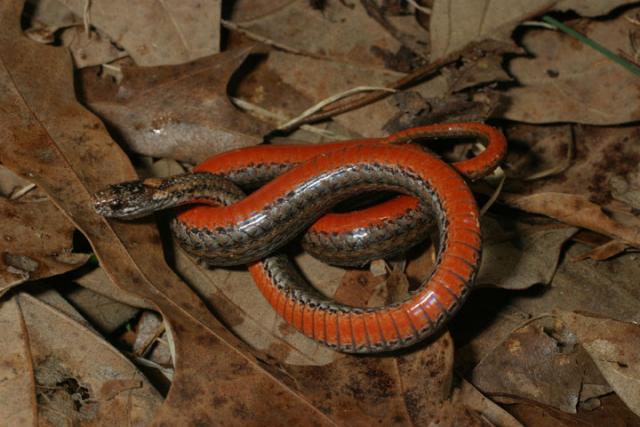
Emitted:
<point x="115" y="204"/>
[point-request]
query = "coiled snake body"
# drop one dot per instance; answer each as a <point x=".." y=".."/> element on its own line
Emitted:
<point x="305" y="182"/>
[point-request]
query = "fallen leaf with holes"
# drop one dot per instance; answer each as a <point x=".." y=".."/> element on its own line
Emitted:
<point x="156" y="33"/>
<point x="36" y="242"/>
<point x="454" y="24"/>
<point x="613" y="346"/>
<point x="181" y="112"/>
<point x="63" y="148"/>
<point x="557" y="82"/>
<point x="50" y="369"/>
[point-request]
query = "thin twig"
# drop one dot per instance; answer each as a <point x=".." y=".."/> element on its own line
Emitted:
<point x="330" y="100"/>
<point x="495" y="194"/>
<point x="86" y="18"/>
<point x="423" y="9"/>
<point x="21" y="192"/>
<point x="274" y="117"/>
<point x="405" y="81"/>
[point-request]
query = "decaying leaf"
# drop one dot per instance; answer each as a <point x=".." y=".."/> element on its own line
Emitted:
<point x="454" y="24"/>
<point x="36" y="241"/>
<point x="181" y="112"/>
<point x="63" y="373"/>
<point x="557" y="82"/>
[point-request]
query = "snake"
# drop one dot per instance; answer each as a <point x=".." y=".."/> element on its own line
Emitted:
<point x="293" y="188"/>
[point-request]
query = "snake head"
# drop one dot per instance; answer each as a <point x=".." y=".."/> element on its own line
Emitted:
<point x="129" y="200"/>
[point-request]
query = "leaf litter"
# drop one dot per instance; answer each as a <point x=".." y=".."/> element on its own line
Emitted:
<point x="549" y="334"/>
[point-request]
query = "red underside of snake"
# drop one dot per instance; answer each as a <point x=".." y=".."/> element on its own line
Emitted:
<point x="313" y="178"/>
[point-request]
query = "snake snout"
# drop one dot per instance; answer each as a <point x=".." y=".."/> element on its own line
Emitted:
<point x="127" y="200"/>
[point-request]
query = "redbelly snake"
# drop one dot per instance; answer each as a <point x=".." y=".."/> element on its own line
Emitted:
<point x="304" y="183"/>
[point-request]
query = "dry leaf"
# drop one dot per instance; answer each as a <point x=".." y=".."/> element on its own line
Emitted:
<point x="613" y="346"/>
<point x="538" y="362"/>
<point x="70" y="373"/>
<point x="343" y="32"/>
<point x="409" y="388"/>
<point x="515" y="256"/>
<point x="578" y="211"/>
<point x="302" y="74"/>
<point x="159" y="32"/>
<point x="89" y="49"/>
<point x="244" y="310"/>
<point x="36" y="242"/>
<point x="182" y="112"/>
<point x="98" y="281"/>
<point x="50" y="138"/>
<point x="454" y="24"/>
<point x="567" y="81"/>
<point x="605" y="251"/>
<point x="105" y="314"/>
<point x="473" y="399"/>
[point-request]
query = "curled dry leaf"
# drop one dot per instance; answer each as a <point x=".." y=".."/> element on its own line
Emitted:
<point x="59" y="371"/>
<point x="50" y="138"/>
<point x="181" y="112"/>
<point x="36" y="241"/>
<point x="585" y="187"/>
<point x="578" y="211"/>
<point x="614" y="347"/>
<point x="605" y="251"/>
<point x="454" y="24"/>
<point x="567" y="81"/>
<point x="156" y="33"/>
